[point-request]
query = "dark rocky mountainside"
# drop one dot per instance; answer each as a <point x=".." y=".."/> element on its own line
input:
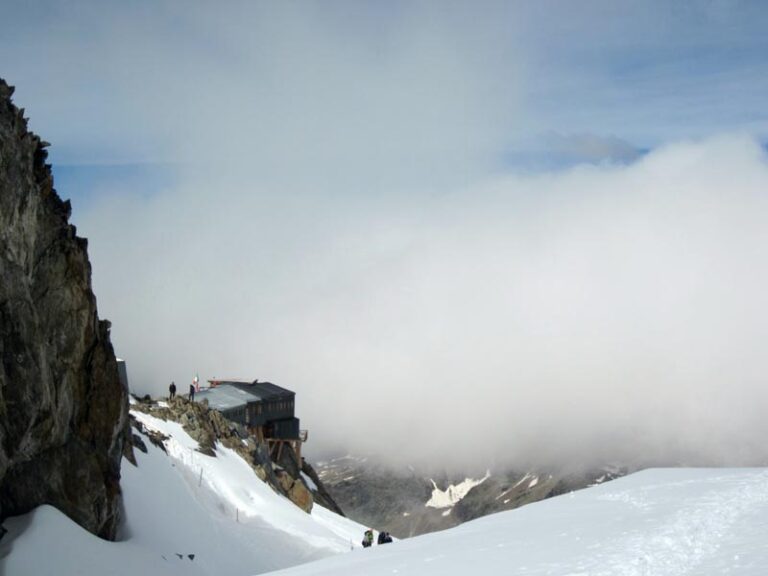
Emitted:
<point x="63" y="410"/>
<point x="381" y="498"/>
<point x="396" y="500"/>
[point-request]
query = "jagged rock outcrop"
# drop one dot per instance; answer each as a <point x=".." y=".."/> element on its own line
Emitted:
<point x="321" y="494"/>
<point x="290" y="478"/>
<point x="63" y="411"/>
<point x="208" y="426"/>
<point x="203" y="424"/>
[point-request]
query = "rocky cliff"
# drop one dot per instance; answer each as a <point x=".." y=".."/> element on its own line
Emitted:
<point x="63" y="411"/>
<point x="295" y="480"/>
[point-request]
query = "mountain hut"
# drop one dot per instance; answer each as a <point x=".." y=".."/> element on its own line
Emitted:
<point x="265" y="409"/>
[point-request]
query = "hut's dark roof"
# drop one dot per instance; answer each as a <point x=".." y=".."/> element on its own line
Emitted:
<point x="226" y="397"/>
<point x="264" y="390"/>
<point x="256" y="390"/>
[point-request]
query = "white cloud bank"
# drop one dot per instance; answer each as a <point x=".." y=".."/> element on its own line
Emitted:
<point x="601" y="312"/>
<point x="337" y="227"/>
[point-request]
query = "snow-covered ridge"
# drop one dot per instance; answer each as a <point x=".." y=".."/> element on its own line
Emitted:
<point x="454" y="493"/>
<point x="665" y="522"/>
<point x="186" y="513"/>
<point x="238" y="489"/>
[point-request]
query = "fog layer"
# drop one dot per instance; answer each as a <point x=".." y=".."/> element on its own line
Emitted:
<point x="341" y="218"/>
<point x="595" y="313"/>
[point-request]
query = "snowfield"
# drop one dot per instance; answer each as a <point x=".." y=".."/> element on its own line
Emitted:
<point x="232" y="522"/>
<point x="190" y="514"/>
<point x="665" y="522"/>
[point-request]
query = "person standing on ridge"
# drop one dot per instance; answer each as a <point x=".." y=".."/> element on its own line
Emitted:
<point x="172" y="391"/>
<point x="191" y="392"/>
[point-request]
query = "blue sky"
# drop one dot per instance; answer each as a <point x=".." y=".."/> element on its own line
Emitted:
<point x="424" y="87"/>
<point x="561" y="202"/>
<point x="135" y="83"/>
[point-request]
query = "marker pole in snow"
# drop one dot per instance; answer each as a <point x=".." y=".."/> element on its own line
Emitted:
<point x="200" y="482"/>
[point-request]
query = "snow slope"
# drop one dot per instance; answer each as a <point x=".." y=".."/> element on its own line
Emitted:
<point x="669" y="522"/>
<point x="231" y="521"/>
<point x="676" y="522"/>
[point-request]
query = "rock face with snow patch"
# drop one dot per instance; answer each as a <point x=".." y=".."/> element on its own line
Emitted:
<point x="208" y="426"/>
<point x="412" y="502"/>
<point x="63" y="411"/>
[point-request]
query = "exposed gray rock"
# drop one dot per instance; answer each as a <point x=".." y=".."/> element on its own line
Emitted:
<point x="209" y="426"/>
<point x="320" y="493"/>
<point x="63" y="411"/>
<point x="138" y="444"/>
<point x="380" y="496"/>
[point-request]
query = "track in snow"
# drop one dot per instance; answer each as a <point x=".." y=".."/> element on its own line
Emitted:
<point x="691" y="536"/>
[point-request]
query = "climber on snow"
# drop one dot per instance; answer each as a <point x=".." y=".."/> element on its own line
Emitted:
<point x="368" y="538"/>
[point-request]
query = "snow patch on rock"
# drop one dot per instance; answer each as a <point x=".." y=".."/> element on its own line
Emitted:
<point x="454" y="493"/>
